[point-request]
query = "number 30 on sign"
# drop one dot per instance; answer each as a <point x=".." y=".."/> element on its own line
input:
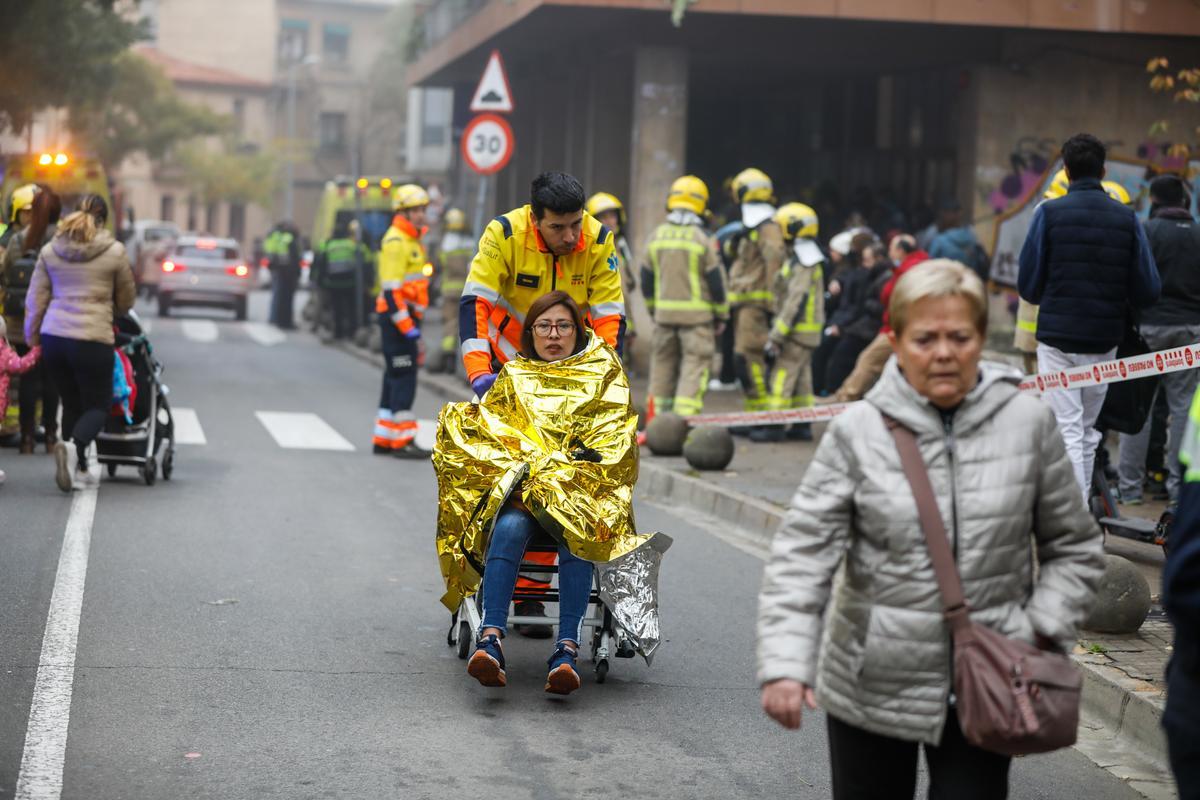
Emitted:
<point x="487" y="143"/>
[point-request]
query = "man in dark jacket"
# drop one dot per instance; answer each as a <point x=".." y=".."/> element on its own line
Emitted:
<point x="1174" y="321"/>
<point x="1181" y="599"/>
<point x="1086" y="261"/>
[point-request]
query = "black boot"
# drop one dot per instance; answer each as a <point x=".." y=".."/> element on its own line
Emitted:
<point x="800" y="432"/>
<point x="768" y="433"/>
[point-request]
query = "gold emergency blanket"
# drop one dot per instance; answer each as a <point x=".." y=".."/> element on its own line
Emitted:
<point x="561" y="437"/>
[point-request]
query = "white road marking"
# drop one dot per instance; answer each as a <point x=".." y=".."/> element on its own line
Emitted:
<point x="187" y="426"/>
<point x="266" y="335"/>
<point x="41" y="774"/>
<point x="200" y="330"/>
<point x="426" y="433"/>
<point x="302" y="431"/>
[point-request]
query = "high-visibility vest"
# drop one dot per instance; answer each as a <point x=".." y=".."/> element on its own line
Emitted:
<point x="685" y="284"/>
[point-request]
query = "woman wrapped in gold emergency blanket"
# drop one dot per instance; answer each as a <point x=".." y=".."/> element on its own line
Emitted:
<point x="555" y="438"/>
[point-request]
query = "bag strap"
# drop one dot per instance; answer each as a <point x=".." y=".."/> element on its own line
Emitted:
<point x="954" y="603"/>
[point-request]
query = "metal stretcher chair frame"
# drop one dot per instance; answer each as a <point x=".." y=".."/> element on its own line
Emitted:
<point x="607" y="639"/>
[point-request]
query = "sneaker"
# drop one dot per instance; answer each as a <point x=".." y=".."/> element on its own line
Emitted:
<point x="62" y="467"/>
<point x="562" y="678"/>
<point x="532" y="608"/>
<point x="411" y="450"/>
<point x="487" y="662"/>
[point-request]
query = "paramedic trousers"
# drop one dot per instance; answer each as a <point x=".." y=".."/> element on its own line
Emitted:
<point x="395" y="427"/>
<point x="83" y="373"/>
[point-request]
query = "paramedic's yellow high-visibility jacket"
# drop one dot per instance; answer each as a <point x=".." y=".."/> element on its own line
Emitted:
<point x="403" y="285"/>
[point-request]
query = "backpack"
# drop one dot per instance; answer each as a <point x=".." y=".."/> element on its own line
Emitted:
<point x="17" y="274"/>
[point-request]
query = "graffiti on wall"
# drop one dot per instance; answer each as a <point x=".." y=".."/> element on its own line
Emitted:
<point x="1002" y="188"/>
<point x="1013" y="223"/>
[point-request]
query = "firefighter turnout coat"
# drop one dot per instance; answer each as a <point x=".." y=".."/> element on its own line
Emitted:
<point x="513" y="268"/>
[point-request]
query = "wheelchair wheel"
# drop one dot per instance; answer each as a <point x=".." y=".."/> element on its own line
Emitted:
<point x="464" y="639"/>
<point x="602" y="670"/>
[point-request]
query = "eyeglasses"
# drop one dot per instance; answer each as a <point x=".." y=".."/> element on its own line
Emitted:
<point x="543" y="329"/>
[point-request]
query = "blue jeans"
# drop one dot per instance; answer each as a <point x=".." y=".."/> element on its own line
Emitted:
<point x="514" y="528"/>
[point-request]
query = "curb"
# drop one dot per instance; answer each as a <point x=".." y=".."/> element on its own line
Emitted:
<point x="1131" y="709"/>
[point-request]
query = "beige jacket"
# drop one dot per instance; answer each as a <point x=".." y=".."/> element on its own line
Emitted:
<point x="760" y="256"/>
<point x="77" y="289"/>
<point x="880" y="656"/>
<point x="684" y="283"/>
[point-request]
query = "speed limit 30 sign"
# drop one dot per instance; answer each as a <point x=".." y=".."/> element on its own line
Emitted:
<point x="487" y="143"/>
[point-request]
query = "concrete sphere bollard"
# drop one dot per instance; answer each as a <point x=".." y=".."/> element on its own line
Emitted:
<point x="1123" y="600"/>
<point x="665" y="434"/>
<point x="709" y="447"/>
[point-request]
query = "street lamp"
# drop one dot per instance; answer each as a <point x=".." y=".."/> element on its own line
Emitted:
<point x="289" y="161"/>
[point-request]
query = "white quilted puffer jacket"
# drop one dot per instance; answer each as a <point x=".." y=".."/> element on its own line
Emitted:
<point x="879" y="653"/>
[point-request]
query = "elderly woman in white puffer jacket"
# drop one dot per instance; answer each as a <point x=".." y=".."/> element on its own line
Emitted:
<point x="879" y="660"/>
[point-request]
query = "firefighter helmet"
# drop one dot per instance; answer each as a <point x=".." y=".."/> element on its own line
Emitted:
<point x="22" y="199"/>
<point x="688" y="193"/>
<point x="753" y="186"/>
<point x="456" y="220"/>
<point x="410" y="195"/>
<point x="1117" y="192"/>
<point x="797" y="221"/>
<point x="602" y="202"/>
<point x="1058" y="186"/>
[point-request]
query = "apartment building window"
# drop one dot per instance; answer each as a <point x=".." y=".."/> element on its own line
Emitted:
<point x="293" y="41"/>
<point x="166" y="208"/>
<point x="332" y="129"/>
<point x="435" y="116"/>
<point x="210" y="217"/>
<point x="239" y="117"/>
<point x="335" y="43"/>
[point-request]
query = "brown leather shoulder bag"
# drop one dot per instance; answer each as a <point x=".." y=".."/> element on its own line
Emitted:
<point x="1012" y="698"/>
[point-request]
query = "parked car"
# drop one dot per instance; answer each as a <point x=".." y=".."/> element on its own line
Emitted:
<point x="204" y="271"/>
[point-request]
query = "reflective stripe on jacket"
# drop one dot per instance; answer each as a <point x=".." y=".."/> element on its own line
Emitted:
<point x="684" y="284"/>
<point x="760" y="256"/>
<point x="454" y="257"/>
<point x="513" y="267"/>
<point x="801" y="309"/>
<point x="403" y="286"/>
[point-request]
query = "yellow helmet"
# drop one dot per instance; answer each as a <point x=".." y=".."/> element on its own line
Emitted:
<point x="753" y="186"/>
<point x="688" y="193"/>
<point x="1058" y="186"/>
<point x="456" y="220"/>
<point x="22" y="199"/>
<point x="409" y="196"/>
<point x="1117" y="192"/>
<point x="797" y="220"/>
<point x="602" y="202"/>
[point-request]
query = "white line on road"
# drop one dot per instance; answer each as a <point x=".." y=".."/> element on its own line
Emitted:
<point x="302" y="431"/>
<point x="266" y="335"/>
<point x="200" y="330"/>
<point x="41" y="774"/>
<point x="187" y="426"/>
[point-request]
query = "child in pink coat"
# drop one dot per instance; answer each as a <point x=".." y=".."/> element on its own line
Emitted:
<point x="12" y="364"/>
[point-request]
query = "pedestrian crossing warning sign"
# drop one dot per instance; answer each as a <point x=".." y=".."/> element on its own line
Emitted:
<point x="493" y="93"/>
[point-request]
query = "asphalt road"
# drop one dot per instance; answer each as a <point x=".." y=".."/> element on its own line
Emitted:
<point x="267" y="625"/>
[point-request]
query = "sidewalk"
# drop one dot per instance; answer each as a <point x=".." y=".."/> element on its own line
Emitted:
<point x="1123" y="692"/>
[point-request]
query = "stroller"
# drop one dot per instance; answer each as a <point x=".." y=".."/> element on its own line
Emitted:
<point x="149" y="442"/>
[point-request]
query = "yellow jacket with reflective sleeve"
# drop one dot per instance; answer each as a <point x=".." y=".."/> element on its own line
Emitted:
<point x="454" y="257"/>
<point x="403" y="285"/>
<point x="800" y="287"/>
<point x="684" y="283"/>
<point x="760" y="256"/>
<point x="513" y="268"/>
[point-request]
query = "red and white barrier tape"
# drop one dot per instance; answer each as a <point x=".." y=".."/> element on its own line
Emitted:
<point x="1162" y="362"/>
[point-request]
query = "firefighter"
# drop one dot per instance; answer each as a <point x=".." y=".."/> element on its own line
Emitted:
<point x="454" y="256"/>
<point x="400" y="308"/>
<point x="551" y="243"/>
<point x="609" y="210"/>
<point x="684" y="287"/>
<point x="799" y="319"/>
<point x="760" y="255"/>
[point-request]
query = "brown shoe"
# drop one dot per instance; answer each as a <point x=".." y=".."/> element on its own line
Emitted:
<point x="26" y="445"/>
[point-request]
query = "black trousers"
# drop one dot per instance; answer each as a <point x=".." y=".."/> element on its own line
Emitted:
<point x="36" y="385"/>
<point x="83" y="372"/>
<point x="841" y="360"/>
<point x="341" y="301"/>
<point x="867" y="766"/>
<point x="283" y="296"/>
<point x="1182" y="722"/>
<point x="400" y="367"/>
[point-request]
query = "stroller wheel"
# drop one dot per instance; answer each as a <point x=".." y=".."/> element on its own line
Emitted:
<point x="150" y="471"/>
<point x="112" y="470"/>
<point x="168" y="465"/>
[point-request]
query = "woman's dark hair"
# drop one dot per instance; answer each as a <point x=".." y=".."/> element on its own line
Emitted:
<point x="1083" y="156"/>
<point x="557" y="192"/>
<point x="47" y="208"/>
<point x="541" y="306"/>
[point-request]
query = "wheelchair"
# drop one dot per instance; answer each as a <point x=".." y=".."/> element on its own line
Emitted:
<point x="608" y="640"/>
